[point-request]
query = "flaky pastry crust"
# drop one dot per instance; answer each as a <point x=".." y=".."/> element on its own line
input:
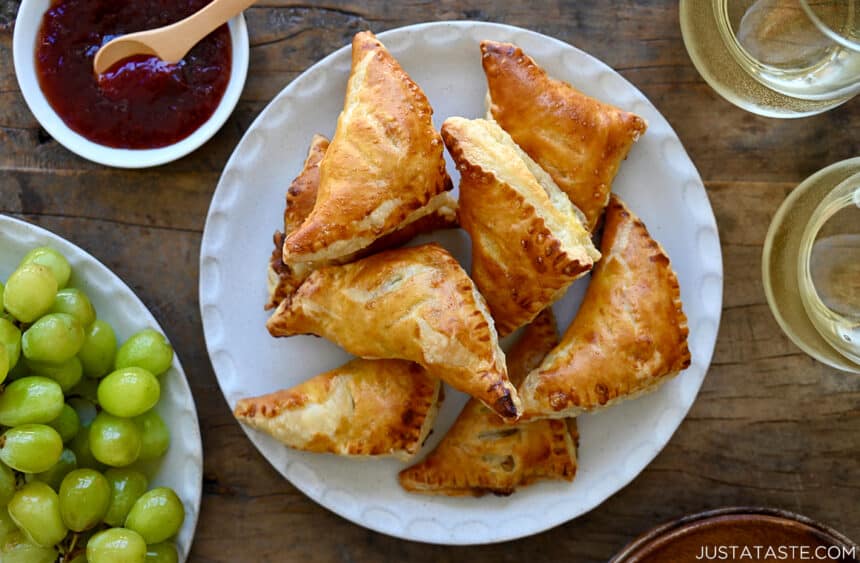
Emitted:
<point x="412" y="303"/>
<point x="283" y="279"/>
<point x="364" y="408"/>
<point x="528" y="244"/>
<point x="629" y="336"/>
<point x="482" y="454"/>
<point x="384" y="162"/>
<point x="579" y="140"/>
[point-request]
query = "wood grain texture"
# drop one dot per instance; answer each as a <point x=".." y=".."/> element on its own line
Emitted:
<point x="770" y="427"/>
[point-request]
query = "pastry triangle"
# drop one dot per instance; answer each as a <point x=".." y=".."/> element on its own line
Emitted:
<point x="384" y="162"/>
<point x="580" y="141"/>
<point x="364" y="408"/>
<point x="481" y="453"/>
<point x="629" y="336"/>
<point x="528" y="243"/>
<point x="412" y="303"/>
<point x="283" y="279"/>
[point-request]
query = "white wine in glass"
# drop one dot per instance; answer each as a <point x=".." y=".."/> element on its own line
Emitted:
<point x="780" y="58"/>
<point x="811" y="265"/>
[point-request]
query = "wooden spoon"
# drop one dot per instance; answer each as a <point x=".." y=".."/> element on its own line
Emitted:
<point x="171" y="42"/>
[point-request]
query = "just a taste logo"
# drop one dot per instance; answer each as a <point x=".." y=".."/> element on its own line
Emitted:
<point x="842" y="554"/>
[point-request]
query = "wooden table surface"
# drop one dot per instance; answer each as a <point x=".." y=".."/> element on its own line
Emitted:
<point x="770" y="427"/>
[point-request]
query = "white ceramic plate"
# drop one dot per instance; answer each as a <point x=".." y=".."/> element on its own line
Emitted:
<point x="182" y="467"/>
<point x="658" y="181"/>
<point x="27" y="24"/>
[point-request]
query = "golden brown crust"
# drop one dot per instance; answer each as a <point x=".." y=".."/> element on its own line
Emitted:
<point x="364" y="408"/>
<point x="384" y="162"/>
<point x="412" y="303"/>
<point x="283" y="279"/>
<point x="532" y="346"/>
<point x="481" y="453"/>
<point x="580" y="141"/>
<point x="629" y="336"/>
<point x="528" y="244"/>
<point x="302" y="193"/>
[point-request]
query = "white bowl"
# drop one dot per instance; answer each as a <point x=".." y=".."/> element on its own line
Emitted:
<point x="27" y="25"/>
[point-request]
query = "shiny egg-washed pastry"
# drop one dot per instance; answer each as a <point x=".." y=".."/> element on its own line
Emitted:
<point x="528" y="243"/>
<point x="283" y="279"/>
<point x="363" y="408"/>
<point x="483" y="454"/>
<point x="412" y="303"/>
<point x="580" y="141"/>
<point x="629" y="336"/>
<point x="384" y="162"/>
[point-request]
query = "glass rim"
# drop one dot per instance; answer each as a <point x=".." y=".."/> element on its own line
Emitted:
<point x="829" y="206"/>
<point x="826" y="29"/>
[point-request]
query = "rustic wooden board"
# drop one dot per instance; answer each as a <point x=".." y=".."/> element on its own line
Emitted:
<point x="771" y="426"/>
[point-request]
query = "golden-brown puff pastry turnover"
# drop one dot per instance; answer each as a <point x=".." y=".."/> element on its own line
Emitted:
<point x="629" y="336"/>
<point x="580" y="141"/>
<point x="384" y="162"/>
<point x="412" y="303"/>
<point x="481" y="453"/>
<point x="283" y="279"/>
<point x="528" y="243"/>
<point x="364" y="408"/>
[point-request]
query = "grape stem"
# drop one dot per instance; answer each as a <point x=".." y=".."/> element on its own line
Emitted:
<point x="70" y="551"/>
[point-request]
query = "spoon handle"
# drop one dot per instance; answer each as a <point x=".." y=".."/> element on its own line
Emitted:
<point x="186" y="33"/>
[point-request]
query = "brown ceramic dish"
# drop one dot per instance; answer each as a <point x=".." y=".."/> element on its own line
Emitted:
<point x="740" y="534"/>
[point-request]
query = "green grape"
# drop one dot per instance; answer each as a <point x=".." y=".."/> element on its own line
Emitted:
<point x="148" y="349"/>
<point x="67" y="374"/>
<point x="4" y="364"/>
<point x="157" y="515"/>
<point x="99" y="350"/>
<point x="80" y="444"/>
<point x="30" y="400"/>
<point x="54" y="338"/>
<point x="114" y="441"/>
<point x="51" y="259"/>
<point x="164" y="552"/>
<point x="7" y="485"/>
<point x="10" y="338"/>
<point x="127" y="485"/>
<point x="128" y="392"/>
<point x="36" y="510"/>
<point x="86" y="389"/>
<point x="29" y="292"/>
<point x="116" y="545"/>
<point x="30" y="448"/>
<point x="2" y="288"/>
<point x="154" y="436"/>
<point x="7" y="525"/>
<point x="85" y="410"/>
<point x="67" y="423"/>
<point x="74" y="302"/>
<point x="84" y="499"/>
<point x="54" y="476"/>
<point x="17" y="548"/>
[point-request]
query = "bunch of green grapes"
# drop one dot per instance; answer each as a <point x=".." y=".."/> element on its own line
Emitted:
<point x="77" y="422"/>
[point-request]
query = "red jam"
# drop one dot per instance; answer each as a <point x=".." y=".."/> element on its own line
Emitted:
<point x="141" y="102"/>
